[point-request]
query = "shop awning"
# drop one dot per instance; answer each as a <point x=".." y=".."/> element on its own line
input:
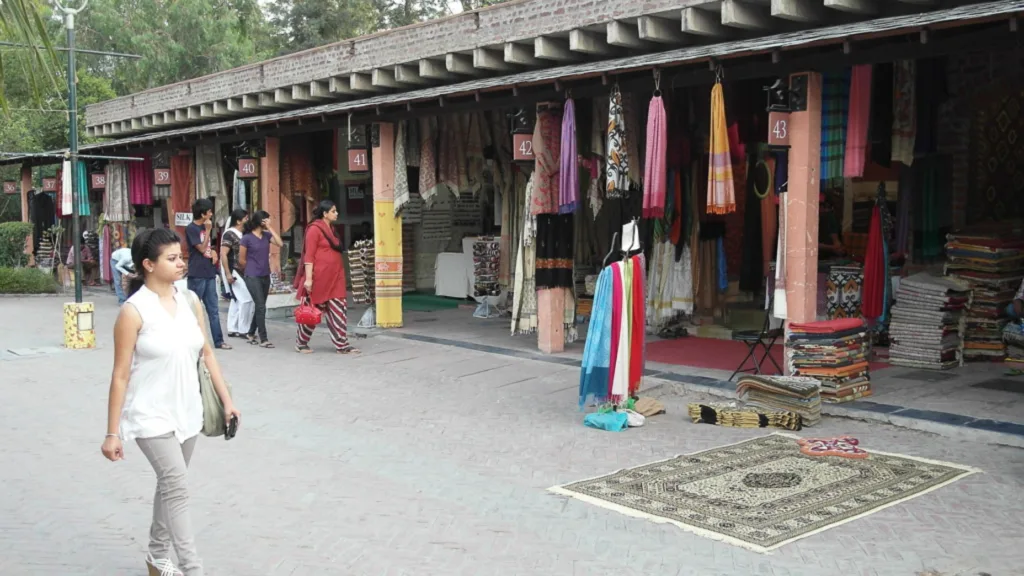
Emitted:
<point x="952" y="17"/>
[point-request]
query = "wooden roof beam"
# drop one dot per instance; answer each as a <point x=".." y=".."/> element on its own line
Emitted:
<point x="807" y="11"/>
<point x="659" y="30"/>
<point x="736" y="14"/>
<point x="586" y="42"/>
<point x="704" y="23"/>
<point x="555" y="49"/>
<point x="853" y="6"/>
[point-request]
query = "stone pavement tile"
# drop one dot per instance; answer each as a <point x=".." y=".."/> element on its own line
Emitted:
<point x="347" y="466"/>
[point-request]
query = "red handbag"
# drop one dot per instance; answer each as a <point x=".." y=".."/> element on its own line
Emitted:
<point x="307" y="314"/>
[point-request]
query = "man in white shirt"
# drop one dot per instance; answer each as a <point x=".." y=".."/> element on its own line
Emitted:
<point x="121" y="263"/>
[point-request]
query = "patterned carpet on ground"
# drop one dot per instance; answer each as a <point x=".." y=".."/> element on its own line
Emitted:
<point x="715" y="354"/>
<point x="763" y="493"/>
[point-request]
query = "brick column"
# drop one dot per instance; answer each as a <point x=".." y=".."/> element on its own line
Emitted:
<point x="551" y="320"/>
<point x="802" y="203"/>
<point x="270" y="194"/>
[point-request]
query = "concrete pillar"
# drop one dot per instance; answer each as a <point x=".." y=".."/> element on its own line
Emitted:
<point x="551" y="320"/>
<point x="270" y="194"/>
<point x="802" y="203"/>
<point x="387" y="229"/>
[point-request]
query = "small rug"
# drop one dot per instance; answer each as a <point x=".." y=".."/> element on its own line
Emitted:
<point x="763" y="493"/>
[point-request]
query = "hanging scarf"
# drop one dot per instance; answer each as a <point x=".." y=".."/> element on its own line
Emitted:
<point x="554" y="251"/>
<point x="619" y="364"/>
<point x="116" y="207"/>
<point x="474" y="153"/>
<point x="401" y="171"/>
<point x="238" y="187"/>
<point x="569" y="174"/>
<point x="140" y="182"/>
<point x="659" y="298"/>
<point x="617" y="160"/>
<point x="779" y="303"/>
<point x="83" y="190"/>
<point x="428" y="161"/>
<point x="857" y="125"/>
<point x="873" y="289"/>
<point x="547" y="146"/>
<point x="636" y="331"/>
<point x="181" y="187"/>
<point x="904" y="126"/>
<point x="412" y="144"/>
<point x="66" y="196"/>
<point x="594" y="373"/>
<point x="524" y="294"/>
<point x="654" y="170"/>
<point x="835" y="100"/>
<point x="451" y="165"/>
<point x="721" y="195"/>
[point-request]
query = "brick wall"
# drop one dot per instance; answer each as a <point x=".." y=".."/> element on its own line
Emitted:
<point x="969" y="75"/>
<point x="511" y="21"/>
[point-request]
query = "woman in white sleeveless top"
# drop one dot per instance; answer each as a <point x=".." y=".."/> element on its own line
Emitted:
<point x="154" y="393"/>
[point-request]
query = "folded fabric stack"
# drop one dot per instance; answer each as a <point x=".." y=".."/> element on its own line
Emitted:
<point x="728" y="414"/>
<point x="835" y="353"/>
<point x="993" y="268"/>
<point x="1013" y="337"/>
<point x="928" y="322"/>
<point x="364" y="277"/>
<point x="795" y="394"/>
<point x="408" y="258"/>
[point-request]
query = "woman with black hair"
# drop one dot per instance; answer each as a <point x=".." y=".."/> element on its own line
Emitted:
<point x="242" y="308"/>
<point x="254" y="260"/>
<point x="321" y="280"/>
<point x="154" y="391"/>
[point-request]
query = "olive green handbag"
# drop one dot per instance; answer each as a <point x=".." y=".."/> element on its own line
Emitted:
<point x="213" y="409"/>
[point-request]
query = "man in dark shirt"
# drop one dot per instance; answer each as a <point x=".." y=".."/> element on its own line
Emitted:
<point x="202" y="266"/>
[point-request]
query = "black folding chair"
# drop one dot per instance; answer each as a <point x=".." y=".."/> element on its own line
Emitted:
<point x="765" y="338"/>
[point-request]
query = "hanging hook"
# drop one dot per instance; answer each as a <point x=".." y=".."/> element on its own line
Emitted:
<point x="719" y="73"/>
<point x="657" y="82"/>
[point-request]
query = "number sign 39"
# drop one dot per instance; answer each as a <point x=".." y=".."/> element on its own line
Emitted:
<point x="162" y="176"/>
<point x="522" y="146"/>
<point x="778" y="129"/>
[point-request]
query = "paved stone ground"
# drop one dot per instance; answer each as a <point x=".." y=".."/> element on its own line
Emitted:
<point x="422" y="459"/>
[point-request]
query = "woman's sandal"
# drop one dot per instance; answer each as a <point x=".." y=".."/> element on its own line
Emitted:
<point x="303" y="350"/>
<point x="350" y="350"/>
<point x="266" y="344"/>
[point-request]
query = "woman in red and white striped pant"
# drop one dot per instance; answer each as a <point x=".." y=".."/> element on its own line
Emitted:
<point x="321" y="280"/>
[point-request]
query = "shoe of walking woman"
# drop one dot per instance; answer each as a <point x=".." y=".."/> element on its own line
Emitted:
<point x="154" y="392"/>
<point x="321" y="279"/>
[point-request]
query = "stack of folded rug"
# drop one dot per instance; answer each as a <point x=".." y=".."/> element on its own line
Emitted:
<point x="928" y="321"/>
<point x="788" y="393"/>
<point x="834" y="352"/>
<point x="728" y="414"/>
<point x="993" y="268"/>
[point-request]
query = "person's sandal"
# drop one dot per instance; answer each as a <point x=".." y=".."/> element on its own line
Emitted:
<point x="251" y="339"/>
<point x="266" y="344"/>
<point x="350" y="350"/>
<point x="161" y="567"/>
<point x="225" y="346"/>
<point x="303" y="349"/>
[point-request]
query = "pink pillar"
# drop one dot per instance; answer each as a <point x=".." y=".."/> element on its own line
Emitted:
<point x="270" y="194"/>
<point x="802" y="204"/>
<point x="551" y="320"/>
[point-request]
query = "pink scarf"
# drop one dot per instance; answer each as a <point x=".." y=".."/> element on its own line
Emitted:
<point x="654" y="171"/>
<point x="857" y="122"/>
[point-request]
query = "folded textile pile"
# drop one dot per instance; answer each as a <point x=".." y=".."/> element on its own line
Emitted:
<point x="486" y="260"/>
<point x="796" y="394"/>
<point x="728" y="414"/>
<point x="992" y="267"/>
<point x="361" y="262"/>
<point x="835" y="353"/>
<point x="928" y="322"/>
<point x="1013" y="337"/>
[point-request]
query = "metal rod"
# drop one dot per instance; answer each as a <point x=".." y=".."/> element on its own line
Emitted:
<point x="76" y="226"/>
<point x="79" y="50"/>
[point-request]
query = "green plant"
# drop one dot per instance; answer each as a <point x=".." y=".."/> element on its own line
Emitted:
<point x="12" y="243"/>
<point x="26" y="281"/>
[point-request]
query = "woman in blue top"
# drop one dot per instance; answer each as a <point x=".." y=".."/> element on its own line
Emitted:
<point x="254" y="261"/>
